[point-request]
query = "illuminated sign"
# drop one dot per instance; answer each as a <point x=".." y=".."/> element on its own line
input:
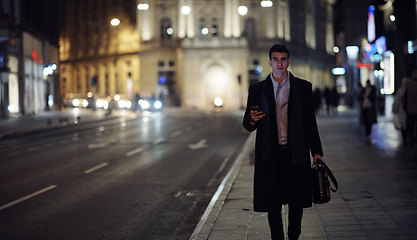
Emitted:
<point x="338" y="71"/>
<point x="35" y="57"/>
<point x="371" y="24"/>
<point x="380" y="47"/>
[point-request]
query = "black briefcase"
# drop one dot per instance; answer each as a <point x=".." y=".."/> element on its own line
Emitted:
<point x="320" y="183"/>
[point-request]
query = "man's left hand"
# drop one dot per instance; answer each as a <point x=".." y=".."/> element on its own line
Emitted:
<point x="316" y="156"/>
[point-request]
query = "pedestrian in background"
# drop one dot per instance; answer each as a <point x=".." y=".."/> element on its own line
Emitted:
<point x="284" y="117"/>
<point x="410" y="107"/>
<point x="399" y="118"/>
<point x="335" y="100"/>
<point x="327" y="94"/>
<point x="317" y="99"/>
<point x="367" y="98"/>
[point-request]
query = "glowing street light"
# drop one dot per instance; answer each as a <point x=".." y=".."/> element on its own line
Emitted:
<point x="266" y="3"/>
<point x="205" y="31"/>
<point x="115" y="22"/>
<point x="143" y="6"/>
<point x="242" y="10"/>
<point x="185" y="10"/>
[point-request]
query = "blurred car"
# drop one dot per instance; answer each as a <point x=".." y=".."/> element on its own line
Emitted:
<point x="122" y="102"/>
<point x="101" y="102"/>
<point x="150" y="104"/>
<point x="76" y="100"/>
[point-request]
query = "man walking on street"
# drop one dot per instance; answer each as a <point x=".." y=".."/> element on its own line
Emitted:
<point x="281" y="109"/>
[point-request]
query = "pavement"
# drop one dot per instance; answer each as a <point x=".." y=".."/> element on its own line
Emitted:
<point x="377" y="196"/>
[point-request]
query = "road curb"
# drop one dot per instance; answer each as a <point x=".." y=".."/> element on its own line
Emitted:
<point x="212" y="212"/>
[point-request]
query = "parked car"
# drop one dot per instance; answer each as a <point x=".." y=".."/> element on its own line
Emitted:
<point x="76" y="100"/>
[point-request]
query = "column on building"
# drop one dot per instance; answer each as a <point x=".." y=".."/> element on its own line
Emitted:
<point x="144" y="20"/>
<point x="283" y="20"/>
<point x="231" y="19"/>
<point x="329" y="27"/>
<point x="186" y="19"/>
<point x="310" y="30"/>
<point x="269" y="19"/>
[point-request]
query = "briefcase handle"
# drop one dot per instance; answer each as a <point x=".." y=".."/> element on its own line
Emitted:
<point x="320" y="162"/>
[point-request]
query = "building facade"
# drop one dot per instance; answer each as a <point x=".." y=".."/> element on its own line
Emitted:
<point x="29" y="44"/>
<point x="190" y="52"/>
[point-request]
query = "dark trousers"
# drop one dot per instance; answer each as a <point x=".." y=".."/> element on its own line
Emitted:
<point x="293" y="198"/>
<point x="295" y="216"/>
<point x="367" y="122"/>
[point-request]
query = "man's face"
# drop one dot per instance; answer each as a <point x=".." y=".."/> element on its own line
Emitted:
<point x="279" y="63"/>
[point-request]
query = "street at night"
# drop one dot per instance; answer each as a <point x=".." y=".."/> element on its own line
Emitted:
<point x="149" y="177"/>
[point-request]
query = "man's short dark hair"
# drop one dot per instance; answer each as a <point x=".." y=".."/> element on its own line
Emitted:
<point x="281" y="48"/>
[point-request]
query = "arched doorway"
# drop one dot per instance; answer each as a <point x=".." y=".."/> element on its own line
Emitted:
<point x="215" y="84"/>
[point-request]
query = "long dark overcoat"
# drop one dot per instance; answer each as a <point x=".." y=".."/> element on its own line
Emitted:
<point x="303" y="139"/>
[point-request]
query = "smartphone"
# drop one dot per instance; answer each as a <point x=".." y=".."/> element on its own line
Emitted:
<point x="254" y="108"/>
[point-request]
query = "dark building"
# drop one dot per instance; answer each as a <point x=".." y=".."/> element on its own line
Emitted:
<point x="29" y="44"/>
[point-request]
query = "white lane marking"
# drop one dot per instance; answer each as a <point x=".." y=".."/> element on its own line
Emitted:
<point x="176" y="134"/>
<point x="138" y="150"/>
<point x="200" y="144"/>
<point x="158" y="141"/>
<point x="96" y="168"/>
<point x="27" y="197"/>
<point x="97" y="145"/>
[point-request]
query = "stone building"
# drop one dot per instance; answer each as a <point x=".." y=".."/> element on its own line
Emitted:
<point x="190" y="51"/>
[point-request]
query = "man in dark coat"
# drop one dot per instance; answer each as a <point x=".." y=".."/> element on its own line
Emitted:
<point x="281" y="109"/>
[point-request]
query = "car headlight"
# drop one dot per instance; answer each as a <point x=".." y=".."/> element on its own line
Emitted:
<point x="106" y="105"/>
<point x="128" y="104"/>
<point x="157" y="105"/>
<point x="122" y="104"/>
<point x="85" y="103"/>
<point x="145" y="105"/>
<point x="75" y="102"/>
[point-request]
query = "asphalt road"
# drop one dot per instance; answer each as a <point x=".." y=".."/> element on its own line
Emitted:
<point x="147" y="178"/>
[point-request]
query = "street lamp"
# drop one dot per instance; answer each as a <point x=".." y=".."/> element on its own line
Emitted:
<point x="143" y="6"/>
<point x="266" y="3"/>
<point x="115" y="22"/>
<point x="242" y="10"/>
<point x="185" y="10"/>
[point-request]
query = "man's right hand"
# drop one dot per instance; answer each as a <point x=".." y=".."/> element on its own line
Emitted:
<point x="255" y="116"/>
